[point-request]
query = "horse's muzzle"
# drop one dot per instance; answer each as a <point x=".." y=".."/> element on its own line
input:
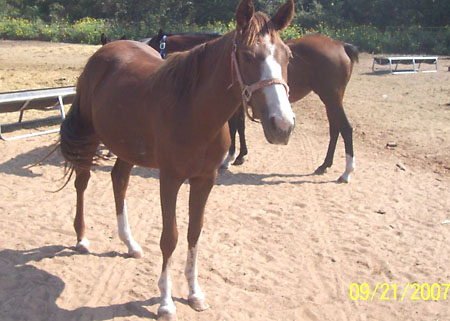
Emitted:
<point x="278" y="130"/>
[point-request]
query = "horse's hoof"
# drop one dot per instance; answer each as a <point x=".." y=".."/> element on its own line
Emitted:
<point x="82" y="246"/>
<point x="82" y="249"/>
<point x="238" y="161"/>
<point x="134" y="249"/>
<point x="320" y="170"/>
<point x="167" y="316"/>
<point x="136" y="254"/>
<point x="198" y="304"/>
<point x="343" y="179"/>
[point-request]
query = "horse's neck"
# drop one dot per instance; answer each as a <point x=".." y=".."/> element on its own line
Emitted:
<point x="197" y="40"/>
<point x="204" y="38"/>
<point x="214" y="94"/>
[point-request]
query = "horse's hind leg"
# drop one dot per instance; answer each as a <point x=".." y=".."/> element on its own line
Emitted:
<point x="243" y="144"/>
<point x="347" y="134"/>
<point x="232" y="126"/>
<point x="339" y="124"/>
<point x="81" y="182"/>
<point x="200" y="189"/>
<point x="120" y="177"/>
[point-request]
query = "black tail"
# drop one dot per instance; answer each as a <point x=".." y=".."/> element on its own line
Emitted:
<point x="352" y="52"/>
<point x="78" y="140"/>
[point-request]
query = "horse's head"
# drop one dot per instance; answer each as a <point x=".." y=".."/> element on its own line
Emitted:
<point x="260" y="60"/>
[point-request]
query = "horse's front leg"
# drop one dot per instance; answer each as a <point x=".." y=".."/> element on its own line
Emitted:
<point x="339" y="124"/>
<point x="198" y="195"/>
<point x="169" y="187"/>
<point x="120" y="176"/>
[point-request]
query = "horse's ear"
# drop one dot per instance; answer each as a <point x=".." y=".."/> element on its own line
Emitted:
<point x="244" y="13"/>
<point x="103" y="39"/>
<point x="283" y="17"/>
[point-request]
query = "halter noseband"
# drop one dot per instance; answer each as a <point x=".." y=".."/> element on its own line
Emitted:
<point x="248" y="90"/>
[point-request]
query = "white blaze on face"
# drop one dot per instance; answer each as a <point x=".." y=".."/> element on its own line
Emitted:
<point x="276" y="95"/>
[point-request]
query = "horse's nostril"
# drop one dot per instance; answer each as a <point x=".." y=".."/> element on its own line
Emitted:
<point x="272" y="122"/>
<point x="280" y="124"/>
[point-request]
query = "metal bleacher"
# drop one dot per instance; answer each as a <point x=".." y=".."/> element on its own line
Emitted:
<point x="40" y="99"/>
<point x="413" y="64"/>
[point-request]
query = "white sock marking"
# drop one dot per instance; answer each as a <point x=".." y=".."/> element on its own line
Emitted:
<point x="84" y="242"/>
<point x="349" y="168"/>
<point x="166" y="305"/>
<point x="191" y="273"/>
<point x="228" y="160"/>
<point x="125" y="232"/>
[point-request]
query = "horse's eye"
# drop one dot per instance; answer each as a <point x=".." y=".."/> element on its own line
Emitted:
<point x="248" y="57"/>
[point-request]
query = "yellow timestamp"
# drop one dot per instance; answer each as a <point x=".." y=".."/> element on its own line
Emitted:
<point x="391" y="292"/>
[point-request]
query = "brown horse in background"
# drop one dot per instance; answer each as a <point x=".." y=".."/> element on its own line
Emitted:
<point x="172" y="115"/>
<point x="320" y="64"/>
<point x="170" y="43"/>
<point x="324" y="66"/>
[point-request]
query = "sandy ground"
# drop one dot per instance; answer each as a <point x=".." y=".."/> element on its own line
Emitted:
<point x="279" y="243"/>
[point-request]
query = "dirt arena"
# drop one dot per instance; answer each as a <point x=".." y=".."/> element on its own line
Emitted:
<point x="278" y="244"/>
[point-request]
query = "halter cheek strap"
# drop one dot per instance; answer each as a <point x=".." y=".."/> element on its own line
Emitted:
<point x="248" y="90"/>
<point x="162" y="47"/>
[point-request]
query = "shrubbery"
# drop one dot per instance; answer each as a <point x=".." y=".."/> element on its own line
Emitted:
<point x="411" y="40"/>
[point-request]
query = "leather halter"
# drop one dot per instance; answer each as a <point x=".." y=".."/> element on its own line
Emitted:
<point x="248" y="90"/>
<point x="162" y="47"/>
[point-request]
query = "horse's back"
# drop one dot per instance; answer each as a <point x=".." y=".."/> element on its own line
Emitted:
<point x="317" y="48"/>
<point x="113" y="89"/>
<point x="114" y="72"/>
<point x="124" y="56"/>
<point x="320" y="63"/>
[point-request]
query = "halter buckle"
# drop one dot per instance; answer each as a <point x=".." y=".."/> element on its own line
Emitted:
<point x="162" y="43"/>
<point x="246" y="94"/>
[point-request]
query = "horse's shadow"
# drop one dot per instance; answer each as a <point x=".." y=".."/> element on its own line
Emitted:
<point x="28" y="292"/>
<point x="377" y="73"/>
<point x="19" y="166"/>
<point x="227" y="178"/>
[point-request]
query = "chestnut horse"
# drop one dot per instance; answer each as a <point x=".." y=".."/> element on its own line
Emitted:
<point x="320" y="64"/>
<point x="324" y="66"/>
<point x="172" y="115"/>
